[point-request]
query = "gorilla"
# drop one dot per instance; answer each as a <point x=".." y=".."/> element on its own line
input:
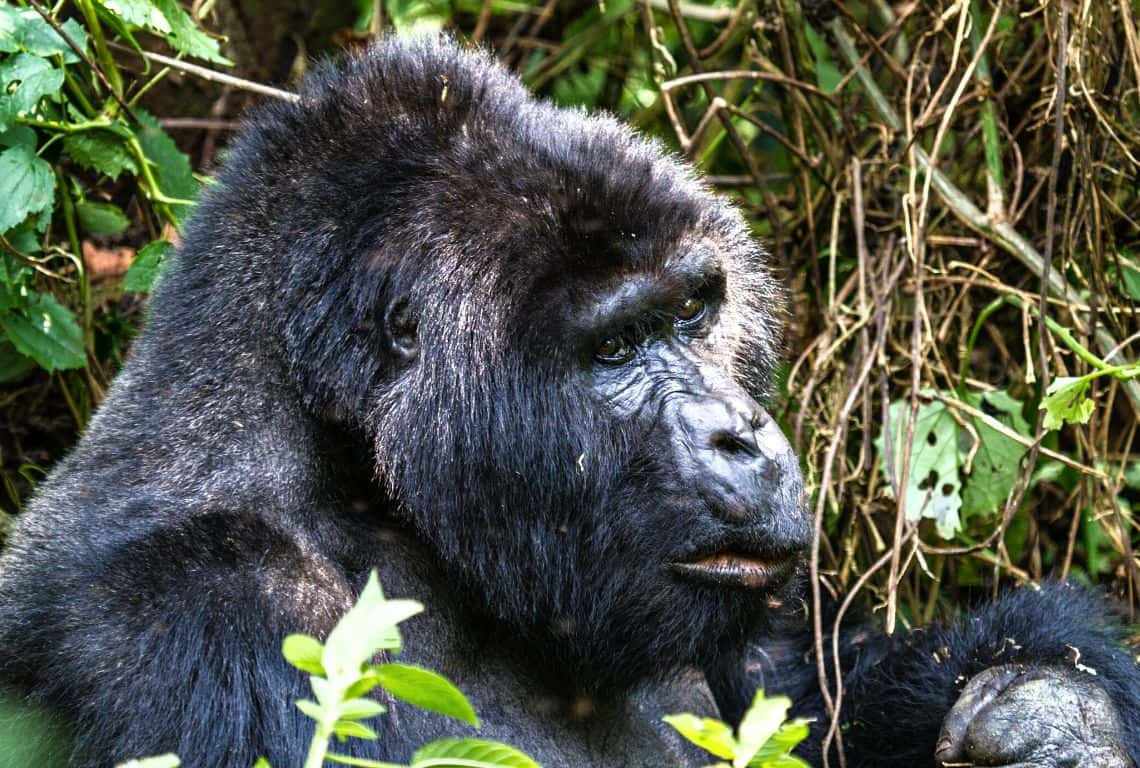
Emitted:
<point x="511" y="356"/>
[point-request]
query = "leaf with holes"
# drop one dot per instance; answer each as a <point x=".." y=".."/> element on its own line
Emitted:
<point x="45" y="331"/>
<point x="996" y="457"/>
<point x="24" y="80"/>
<point x="932" y="487"/>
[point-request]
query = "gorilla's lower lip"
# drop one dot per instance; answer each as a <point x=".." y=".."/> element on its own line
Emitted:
<point x="736" y="570"/>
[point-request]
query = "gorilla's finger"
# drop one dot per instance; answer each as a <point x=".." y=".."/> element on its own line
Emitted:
<point x="979" y="692"/>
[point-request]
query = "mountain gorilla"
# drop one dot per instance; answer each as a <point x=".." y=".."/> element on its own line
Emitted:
<point x="511" y="356"/>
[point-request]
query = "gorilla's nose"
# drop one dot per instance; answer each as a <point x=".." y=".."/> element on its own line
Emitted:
<point x="739" y="461"/>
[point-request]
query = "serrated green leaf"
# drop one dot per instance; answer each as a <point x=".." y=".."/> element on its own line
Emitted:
<point x="147" y="267"/>
<point x="352" y="729"/>
<point x="185" y="36"/>
<point x="476" y="753"/>
<point x="997" y="458"/>
<point x="365" y="630"/>
<point x="27" y="185"/>
<point x="707" y="733"/>
<point x="426" y="690"/>
<point x="302" y="651"/>
<point x="159" y="761"/>
<point x="140" y="14"/>
<point x="933" y="488"/>
<point x="47" y="332"/>
<point x="101" y="151"/>
<point x="360" y="709"/>
<point x="40" y="39"/>
<point x="171" y="166"/>
<point x="310" y="708"/>
<point x="1067" y="400"/>
<point x="101" y="219"/>
<point x="760" y="723"/>
<point x="24" y="80"/>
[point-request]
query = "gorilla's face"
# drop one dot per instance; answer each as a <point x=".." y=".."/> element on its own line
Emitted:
<point x="556" y="339"/>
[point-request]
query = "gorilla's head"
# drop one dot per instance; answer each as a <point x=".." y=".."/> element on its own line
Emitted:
<point x="554" y="338"/>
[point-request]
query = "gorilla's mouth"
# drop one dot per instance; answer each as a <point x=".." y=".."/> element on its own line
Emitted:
<point x="735" y="569"/>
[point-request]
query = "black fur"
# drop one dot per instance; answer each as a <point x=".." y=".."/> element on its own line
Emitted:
<point x="365" y="355"/>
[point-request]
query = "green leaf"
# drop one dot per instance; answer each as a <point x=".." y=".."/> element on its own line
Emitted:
<point x="360" y="709"/>
<point x="365" y="630"/>
<point x="11" y="24"/>
<point x="18" y="136"/>
<point x="708" y="734"/>
<point x="25" y="30"/>
<point x="351" y="729"/>
<point x="47" y="332"/>
<point x="13" y="365"/>
<point x="475" y="753"/>
<point x="139" y="13"/>
<point x="997" y="457"/>
<point x="160" y="761"/>
<point x="760" y="723"/>
<point x="775" y="751"/>
<point x="27" y="185"/>
<point x="101" y="219"/>
<point x="933" y="488"/>
<point x="185" y="36"/>
<point x="310" y="708"/>
<point x="262" y="763"/>
<point x="426" y="690"/>
<point x="101" y="151"/>
<point x="146" y="269"/>
<point x="24" y="80"/>
<point x="1067" y="400"/>
<point x="171" y="167"/>
<point x="302" y="651"/>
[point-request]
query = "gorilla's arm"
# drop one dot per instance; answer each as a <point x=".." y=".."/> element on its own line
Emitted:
<point x="1030" y="703"/>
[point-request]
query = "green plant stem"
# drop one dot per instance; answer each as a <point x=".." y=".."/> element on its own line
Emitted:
<point x="964" y="365"/>
<point x="76" y="248"/>
<point x="318" y="748"/>
<point x="110" y="69"/>
<point x="991" y="140"/>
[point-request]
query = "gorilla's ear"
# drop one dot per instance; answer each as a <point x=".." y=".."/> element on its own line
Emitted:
<point x="400" y="330"/>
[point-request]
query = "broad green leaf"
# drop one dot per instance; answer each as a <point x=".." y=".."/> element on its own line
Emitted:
<point x="18" y="136"/>
<point x="932" y="487"/>
<point x="1067" y="400"/>
<point x="24" y="238"/>
<point x="171" y="166"/>
<point x="39" y="38"/>
<point x="11" y="24"/>
<point x="147" y="267"/>
<point x="426" y="690"/>
<point x="351" y="729"/>
<point x="139" y="13"/>
<point x="708" y="734"/>
<point x="365" y="630"/>
<point x="24" y="80"/>
<point x="360" y="709"/>
<point x="27" y="185"/>
<point x="159" y="761"/>
<point x="302" y="651"/>
<point x="101" y="219"/>
<point x="13" y="365"/>
<point x="310" y="708"/>
<point x="47" y="332"/>
<point x="185" y="36"/>
<point x="101" y="151"/>
<point x="775" y="751"/>
<point x="475" y="753"/>
<point x="996" y="456"/>
<point x="759" y="724"/>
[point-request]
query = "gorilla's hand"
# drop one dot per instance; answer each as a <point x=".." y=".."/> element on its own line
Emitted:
<point x="1044" y="717"/>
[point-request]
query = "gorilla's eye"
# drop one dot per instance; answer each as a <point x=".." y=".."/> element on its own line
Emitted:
<point x="691" y="310"/>
<point x="614" y="350"/>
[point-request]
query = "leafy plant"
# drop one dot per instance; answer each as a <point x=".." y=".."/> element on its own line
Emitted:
<point x="764" y="738"/>
<point x="70" y="130"/>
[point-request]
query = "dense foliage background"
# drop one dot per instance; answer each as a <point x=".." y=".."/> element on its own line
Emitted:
<point x="949" y="188"/>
